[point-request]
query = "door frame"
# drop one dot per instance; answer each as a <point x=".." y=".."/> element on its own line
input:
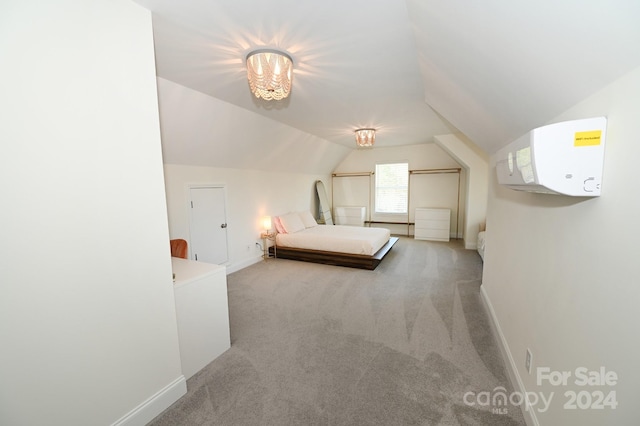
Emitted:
<point x="187" y="204"/>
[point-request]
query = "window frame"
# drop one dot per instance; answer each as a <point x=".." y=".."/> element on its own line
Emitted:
<point x="375" y="190"/>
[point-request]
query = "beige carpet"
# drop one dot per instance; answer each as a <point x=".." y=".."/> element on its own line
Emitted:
<point x="326" y="345"/>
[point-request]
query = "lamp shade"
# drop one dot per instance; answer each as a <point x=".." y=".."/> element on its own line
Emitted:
<point x="266" y="223"/>
<point x="365" y="137"/>
<point x="270" y="73"/>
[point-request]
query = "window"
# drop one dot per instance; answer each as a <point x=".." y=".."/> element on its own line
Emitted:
<point x="392" y="187"/>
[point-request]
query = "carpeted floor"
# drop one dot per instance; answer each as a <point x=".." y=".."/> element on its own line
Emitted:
<point x="326" y="345"/>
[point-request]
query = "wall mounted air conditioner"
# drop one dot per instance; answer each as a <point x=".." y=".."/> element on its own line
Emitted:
<point x="564" y="158"/>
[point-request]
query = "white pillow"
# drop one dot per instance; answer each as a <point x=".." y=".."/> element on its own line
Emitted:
<point x="292" y="223"/>
<point x="307" y="219"/>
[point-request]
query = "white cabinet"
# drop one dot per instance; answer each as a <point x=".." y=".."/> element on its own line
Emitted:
<point x="202" y="311"/>
<point x="349" y="216"/>
<point x="432" y="224"/>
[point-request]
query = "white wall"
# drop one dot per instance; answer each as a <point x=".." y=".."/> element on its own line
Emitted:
<point x="251" y="195"/>
<point x="476" y="164"/>
<point x="560" y="272"/>
<point x="425" y="191"/>
<point x="87" y="317"/>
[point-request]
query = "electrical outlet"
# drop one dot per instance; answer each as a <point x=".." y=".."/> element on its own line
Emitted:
<point x="527" y="361"/>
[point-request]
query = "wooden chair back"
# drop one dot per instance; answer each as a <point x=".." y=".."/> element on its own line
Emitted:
<point x="179" y="248"/>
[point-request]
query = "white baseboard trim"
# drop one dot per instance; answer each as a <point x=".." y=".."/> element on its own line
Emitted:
<point x="234" y="267"/>
<point x="516" y="381"/>
<point x="156" y="404"/>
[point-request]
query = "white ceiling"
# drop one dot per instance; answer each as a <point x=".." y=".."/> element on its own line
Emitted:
<point x="492" y="69"/>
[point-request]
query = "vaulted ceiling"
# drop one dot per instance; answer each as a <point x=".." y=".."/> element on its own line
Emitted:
<point x="491" y="69"/>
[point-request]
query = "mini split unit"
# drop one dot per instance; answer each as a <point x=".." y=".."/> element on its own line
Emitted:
<point x="564" y="158"/>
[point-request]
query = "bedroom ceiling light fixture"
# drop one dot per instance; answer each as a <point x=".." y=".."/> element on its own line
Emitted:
<point x="365" y="137"/>
<point x="270" y="73"/>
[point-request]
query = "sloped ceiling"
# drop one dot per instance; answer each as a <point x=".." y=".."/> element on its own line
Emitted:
<point x="412" y="69"/>
<point x="496" y="68"/>
<point x="199" y="130"/>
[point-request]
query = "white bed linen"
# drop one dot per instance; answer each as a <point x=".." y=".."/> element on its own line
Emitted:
<point x="337" y="238"/>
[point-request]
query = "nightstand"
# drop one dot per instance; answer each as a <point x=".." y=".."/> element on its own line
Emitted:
<point x="266" y="237"/>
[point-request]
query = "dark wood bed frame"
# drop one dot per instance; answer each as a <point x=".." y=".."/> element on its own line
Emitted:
<point x="334" y="258"/>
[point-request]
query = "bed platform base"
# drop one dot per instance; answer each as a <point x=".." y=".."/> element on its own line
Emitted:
<point x="334" y="258"/>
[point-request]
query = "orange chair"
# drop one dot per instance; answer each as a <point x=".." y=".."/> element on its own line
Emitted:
<point x="179" y="248"/>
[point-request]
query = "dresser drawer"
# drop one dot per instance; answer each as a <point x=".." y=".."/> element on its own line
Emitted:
<point x="432" y="234"/>
<point x="353" y="216"/>
<point x="432" y="224"/>
<point x="433" y="214"/>
<point x="352" y="221"/>
<point x="350" y="211"/>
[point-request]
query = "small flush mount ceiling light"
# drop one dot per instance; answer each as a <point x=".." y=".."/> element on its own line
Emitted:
<point x="365" y="137"/>
<point x="270" y="73"/>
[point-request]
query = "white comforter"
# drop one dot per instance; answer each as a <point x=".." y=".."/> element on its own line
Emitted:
<point x="337" y="238"/>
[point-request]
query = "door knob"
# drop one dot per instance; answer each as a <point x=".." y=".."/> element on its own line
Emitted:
<point x="224" y="225"/>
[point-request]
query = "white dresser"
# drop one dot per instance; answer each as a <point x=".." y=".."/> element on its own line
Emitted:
<point x="432" y="224"/>
<point x="350" y="216"/>
<point x="202" y="311"/>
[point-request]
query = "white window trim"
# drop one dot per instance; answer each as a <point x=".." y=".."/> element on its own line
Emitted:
<point x="389" y="216"/>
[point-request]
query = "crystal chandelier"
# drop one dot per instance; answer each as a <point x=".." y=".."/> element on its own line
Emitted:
<point x="269" y="72"/>
<point x="365" y="137"/>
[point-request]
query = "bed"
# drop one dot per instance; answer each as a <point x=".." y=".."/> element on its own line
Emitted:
<point x="299" y="237"/>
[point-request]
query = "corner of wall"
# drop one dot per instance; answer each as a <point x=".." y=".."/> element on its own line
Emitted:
<point x="476" y="162"/>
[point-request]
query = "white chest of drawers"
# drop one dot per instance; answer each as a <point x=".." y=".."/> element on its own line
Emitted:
<point x="432" y="224"/>
<point x="202" y="311"/>
<point x="350" y="216"/>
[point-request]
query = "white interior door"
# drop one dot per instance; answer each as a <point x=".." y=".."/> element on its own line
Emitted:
<point x="208" y="225"/>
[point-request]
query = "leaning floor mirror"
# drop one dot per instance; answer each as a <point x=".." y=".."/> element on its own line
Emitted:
<point x="323" y="203"/>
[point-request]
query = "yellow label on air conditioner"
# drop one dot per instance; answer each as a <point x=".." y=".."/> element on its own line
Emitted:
<point x="590" y="138"/>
